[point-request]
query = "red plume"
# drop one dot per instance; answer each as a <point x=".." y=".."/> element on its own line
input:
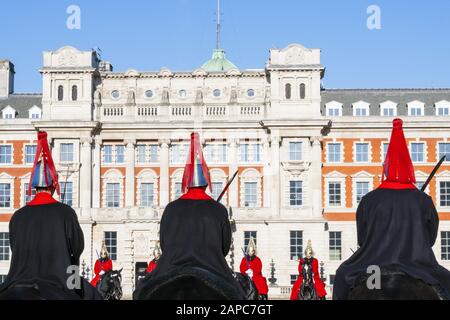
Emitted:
<point x="398" y="170"/>
<point x="43" y="152"/>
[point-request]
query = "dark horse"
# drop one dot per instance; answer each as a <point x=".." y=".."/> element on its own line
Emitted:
<point x="307" y="290"/>
<point x="247" y="285"/>
<point x="110" y="285"/>
<point x="193" y="283"/>
<point x="38" y="290"/>
<point x="394" y="285"/>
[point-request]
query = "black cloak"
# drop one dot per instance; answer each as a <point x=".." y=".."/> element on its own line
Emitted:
<point x="395" y="228"/>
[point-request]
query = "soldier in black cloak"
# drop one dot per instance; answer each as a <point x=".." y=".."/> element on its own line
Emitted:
<point x="195" y="237"/>
<point x="46" y="242"/>
<point x="397" y="226"/>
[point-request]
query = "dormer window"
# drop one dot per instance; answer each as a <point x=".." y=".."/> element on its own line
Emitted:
<point x="333" y="109"/>
<point x="442" y="108"/>
<point x="8" y="113"/>
<point x="388" y="109"/>
<point x="34" y="113"/>
<point x="361" y="109"/>
<point x="416" y="108"/>
<point x="60" y="93"/>
<point x="74" y="93"/>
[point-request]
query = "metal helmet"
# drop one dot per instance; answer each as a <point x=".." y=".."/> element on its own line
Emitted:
<point x="39" y="179"/>
<point x="157" y="250"/>
<point x="251" y="244"/>
<point x="196" y="172"/>
<point x="104" y="250"/>
<point x="309" y="247"/>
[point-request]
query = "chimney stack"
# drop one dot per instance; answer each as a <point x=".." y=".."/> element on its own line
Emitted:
<point x="6" y="78"/>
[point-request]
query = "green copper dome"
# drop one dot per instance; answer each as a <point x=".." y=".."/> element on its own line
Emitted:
<point x="218" y="62"/>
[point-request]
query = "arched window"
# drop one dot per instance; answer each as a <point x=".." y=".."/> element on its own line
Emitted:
<point x="60" y="93"/>
<point x="302" y="91"/>
<point x="74" y="93"/>
<point x="287" y="90"/>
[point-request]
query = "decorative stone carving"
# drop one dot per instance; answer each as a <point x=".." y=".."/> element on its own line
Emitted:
<point x="199" y="97"/>
<point x="295" y="55"/>
<point x="67" y="58"/>
<point x="131" y="98"/>
<point x="233" y="96"/>
<point x="165" y="97"/>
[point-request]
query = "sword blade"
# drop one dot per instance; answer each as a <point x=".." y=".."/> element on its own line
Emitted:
<point x="227" y="186"/>
<point x="436" y="168"/>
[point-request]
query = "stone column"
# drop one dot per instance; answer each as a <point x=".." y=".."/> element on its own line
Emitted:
<point x="96" y="178"/>
<point x="164" y="173"/>
<point x="85" y="173"/>
<point x="315" y="176"/>
<point x="267" y="176"/>
<point x="275" y="175"/>
<point x="233" y="190"/>
<point x="129" y="173"/>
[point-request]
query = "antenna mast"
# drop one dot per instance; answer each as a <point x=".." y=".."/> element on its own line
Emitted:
<point x="218" y="24"/>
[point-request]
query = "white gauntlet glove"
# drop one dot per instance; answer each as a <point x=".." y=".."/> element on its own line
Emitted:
<point x="249" y="272"/>
<point x="102" y="272"/>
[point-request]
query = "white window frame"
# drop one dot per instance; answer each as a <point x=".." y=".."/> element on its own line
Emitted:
<point x="388" y="105"/>
<point x="251" y="175"/>
<point x="219" y="176"/>
<point x="382" y="156"/>
<point x="57" y="151"/>
<point x="361" y="105"/>
<point x="369" y="151"/>
<point x="251" y="152"/>
<point x="147" y="176"/>
<point x="422" y="177"/>
<point x="302" y="197"/>
<point x="24" y="160"/>
<point x="35" y="110"/>
<point x="425" y="150"/>
<point x="114" y="154"/>
<point x="7" y="248"/>
<point x="447" y="245"/>
<point x="447" y="159"/>
<point x="12" y="154"/>
<point x="328" y="152"/>
<point x="183" y="153"/>
<point x="441" y="177"/>
<point x="113" y="176"/>
<point x="290" y="143"/>
<point x="217" y="156"/>
<point x="8" y="112"/>
<point x="175" y="178"/>
<point x="361" y="176"/>
<point x="416" y="105"/>
<point x="444" y="104"/>
<point x="340" y="246"/>
<point x="333" y="105"/>
<point x="148" y="154"/>
<point x="7" y="179"/>
<point x="335" y="177"/>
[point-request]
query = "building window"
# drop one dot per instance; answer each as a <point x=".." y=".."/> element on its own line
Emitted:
<point x="113" y="152"/>
<point x="247" y="236"/>
<point x="5" y="154"/>
<point x="296" y="244"/>
<point x="444" y="193"/>
<point x="74" y="93"/>
<point x="362" y="188"/>
<point x="332" y="276"/>
<point x="302" y="91"/>
<point x="445" y="245"/>
<point x="295" y="193"/>
<point x="26" y="198"/>
<point x="4" y="246"/>
<point x="30" y="154"/>
<point x="66" y="152"/>
<point x="333" y="109"/>
<point x="182" y="93"/>
<point x="115" y="94"/>
<point x="444" y="150"/>
<point x="442" y="110"/>
<point x="250" y="194"/>
<point x="250" y="92"/>
<point x="250" y="152"/>
<point x="216" y="93"/>
<point x="287" y="91"/>
<point x="35" y="115"/>
<point x="107" y="154"/>
<point x="112" y="195"/>
<point x="385" y="149"/>
<point x="120" y="154"/>
<point x="178" y="153"/>
<point x="60" y="93"/>
<point x="388" y="112"/>
<point x="66" y="192"/>
<point x="334" y="193"/>
<point x="362" y="152"/>
<point x="217" y="188"/>
<point x="335" y="245"/>
<point x="5" y="195"/>
<point x="149" y="94"/>
<point x="334" y="152"/>
<point x="415" y="111"/>
<point x="295" y="151"/>
<point x="216" y="153"/>
<point x="147" y="154"/>
<point x="293" y="278"/>
<point x="178" y="190"/>
<point x="147" y="194"/>
<point x="417" y="152"/>
<point x="111" y="244"/>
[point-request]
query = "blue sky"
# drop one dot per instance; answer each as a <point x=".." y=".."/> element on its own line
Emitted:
<point x="410" y="50"/>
